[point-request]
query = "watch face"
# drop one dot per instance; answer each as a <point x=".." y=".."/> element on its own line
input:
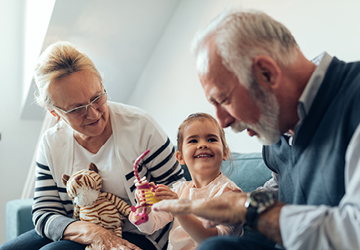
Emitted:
<point x="260" y="196"/>
<point x="261" y="200"/>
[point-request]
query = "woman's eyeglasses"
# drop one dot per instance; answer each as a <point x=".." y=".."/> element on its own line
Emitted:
<point x="82" y="110"/>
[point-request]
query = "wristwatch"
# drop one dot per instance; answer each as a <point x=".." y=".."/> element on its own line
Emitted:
<point x="256" y="203"/>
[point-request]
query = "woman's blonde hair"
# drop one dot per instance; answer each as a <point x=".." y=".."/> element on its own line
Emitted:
<point x="58" y="60"/>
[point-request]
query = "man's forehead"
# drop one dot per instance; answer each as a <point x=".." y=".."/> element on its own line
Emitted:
<point x="206" y="55"/>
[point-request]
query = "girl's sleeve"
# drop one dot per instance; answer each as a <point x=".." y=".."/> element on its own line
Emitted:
<point x="48" y="213"/>
<point x="157" y="220"/>
<point x="229" y="230"/>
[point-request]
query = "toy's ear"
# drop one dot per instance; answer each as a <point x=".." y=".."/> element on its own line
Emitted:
<point x="93" y="167"/>
<point x="78" y="177"/>
<point x="65" y="178"/>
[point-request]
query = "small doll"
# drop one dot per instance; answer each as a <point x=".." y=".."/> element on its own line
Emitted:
<point x="91" y="205"/>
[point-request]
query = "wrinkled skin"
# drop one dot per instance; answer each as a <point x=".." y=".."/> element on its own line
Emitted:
<point x="98" y="237"/>
<point x="227" y="209"/>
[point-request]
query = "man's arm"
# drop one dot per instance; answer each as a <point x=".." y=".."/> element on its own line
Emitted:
<point x="227" y="209"/>
<point x="323" y="227"/>
<point x="294" y="226"/>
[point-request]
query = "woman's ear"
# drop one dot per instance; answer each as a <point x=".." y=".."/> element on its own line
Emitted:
<point x="226" y="153"/>
<point x="56" y="115"/>
<point x="180" y="158"/>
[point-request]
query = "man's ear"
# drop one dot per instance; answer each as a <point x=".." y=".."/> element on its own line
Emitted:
<point x="56" y="115"/>
<point x="180" y="158"/>
<point x="266" y="71"/>
<point x="226" y="153"/>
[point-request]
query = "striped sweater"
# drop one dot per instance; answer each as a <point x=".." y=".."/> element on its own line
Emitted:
<point x="134" y="132"/>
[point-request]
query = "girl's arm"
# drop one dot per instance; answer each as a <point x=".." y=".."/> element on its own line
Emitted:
<point x="191" y="224"/>
<point x="195" y="228"/>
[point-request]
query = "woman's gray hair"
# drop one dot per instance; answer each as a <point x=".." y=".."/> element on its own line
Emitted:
<point x="243" y="35"/>
<point x="59" y="59"/>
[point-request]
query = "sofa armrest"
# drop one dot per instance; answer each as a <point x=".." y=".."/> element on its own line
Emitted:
<point x="18" y="217"/>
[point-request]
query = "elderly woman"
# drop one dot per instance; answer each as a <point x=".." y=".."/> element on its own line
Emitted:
<point x="90" y="129"/>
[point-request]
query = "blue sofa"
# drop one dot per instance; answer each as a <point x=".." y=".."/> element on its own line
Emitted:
<point x="248" y="171"/>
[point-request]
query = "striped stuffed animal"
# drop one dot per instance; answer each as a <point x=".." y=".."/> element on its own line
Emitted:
<point x="91" y="205"/>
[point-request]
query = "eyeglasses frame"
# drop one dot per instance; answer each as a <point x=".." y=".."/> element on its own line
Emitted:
<point x="83" y="106"/>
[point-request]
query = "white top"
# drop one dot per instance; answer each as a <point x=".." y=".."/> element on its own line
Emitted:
<point x="134" y="132"/>
<point x="105" y="161"/>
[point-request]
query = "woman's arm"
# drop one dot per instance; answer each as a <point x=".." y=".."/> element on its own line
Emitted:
<point x="161" y="161"/>
<point x="48" y="212"/>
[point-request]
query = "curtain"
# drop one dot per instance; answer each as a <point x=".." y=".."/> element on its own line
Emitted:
<point x="29" y="187"/>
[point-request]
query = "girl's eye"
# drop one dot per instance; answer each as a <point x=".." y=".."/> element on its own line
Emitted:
<point x="192" y="141"/>
<point x="212" y="140"/>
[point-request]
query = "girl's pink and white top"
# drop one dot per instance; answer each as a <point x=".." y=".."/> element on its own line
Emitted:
<point x="178" y="237"/>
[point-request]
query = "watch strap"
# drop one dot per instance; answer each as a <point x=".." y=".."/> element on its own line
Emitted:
<point x="252" y="217"/>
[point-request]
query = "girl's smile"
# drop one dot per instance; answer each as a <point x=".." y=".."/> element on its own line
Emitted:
<point x="202" y="151"/>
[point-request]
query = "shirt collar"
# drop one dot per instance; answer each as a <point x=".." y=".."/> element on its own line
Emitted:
<point x="312" y="87"/>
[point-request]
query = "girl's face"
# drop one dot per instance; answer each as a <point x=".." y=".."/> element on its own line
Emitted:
<point x="202" y="150"/>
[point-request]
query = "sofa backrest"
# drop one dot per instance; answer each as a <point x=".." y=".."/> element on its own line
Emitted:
<point x="248" y="171"/>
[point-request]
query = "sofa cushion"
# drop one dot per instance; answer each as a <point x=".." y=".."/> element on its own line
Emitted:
<point x="248" y="171"/>
<point x="18" y="217"/>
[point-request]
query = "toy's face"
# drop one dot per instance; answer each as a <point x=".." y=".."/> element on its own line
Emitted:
<point x="83" y="179"/>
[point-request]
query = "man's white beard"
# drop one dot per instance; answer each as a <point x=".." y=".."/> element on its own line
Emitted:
<point x="267" y="128"/>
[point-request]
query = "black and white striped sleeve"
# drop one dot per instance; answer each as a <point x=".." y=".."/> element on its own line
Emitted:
<point x="161" y="161"/>
<point x="50" y="213"/>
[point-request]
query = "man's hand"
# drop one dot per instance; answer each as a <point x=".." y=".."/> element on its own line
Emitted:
<point x="227" y="209"/>
<point x="98" y="237"/>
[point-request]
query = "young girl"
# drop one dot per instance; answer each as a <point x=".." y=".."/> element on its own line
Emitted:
<point x="202" y="147"/>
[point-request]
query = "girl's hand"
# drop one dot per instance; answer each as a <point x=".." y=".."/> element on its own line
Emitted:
<point x="163" y="192"/>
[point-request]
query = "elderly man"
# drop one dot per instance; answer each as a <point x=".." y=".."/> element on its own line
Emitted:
<point x="307" y="115"/>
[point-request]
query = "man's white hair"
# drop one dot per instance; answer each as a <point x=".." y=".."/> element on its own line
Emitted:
<point x="243" y="35"/>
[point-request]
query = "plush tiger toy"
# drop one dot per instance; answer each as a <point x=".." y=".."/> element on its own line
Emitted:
<point x="91" y="205"/>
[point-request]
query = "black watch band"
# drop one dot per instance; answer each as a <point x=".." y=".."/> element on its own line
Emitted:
<point x="252" y="217"/>
<point x="256" y="203"/>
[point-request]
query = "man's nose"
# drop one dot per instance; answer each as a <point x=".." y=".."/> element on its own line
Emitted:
<point x="225" y="119"/>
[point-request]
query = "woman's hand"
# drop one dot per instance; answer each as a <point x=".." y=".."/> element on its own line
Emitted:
<point x="163" y="192"/>
<point x="99" y="238"/>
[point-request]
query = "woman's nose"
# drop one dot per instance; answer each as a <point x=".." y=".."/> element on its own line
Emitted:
<point x="91" y="112"/>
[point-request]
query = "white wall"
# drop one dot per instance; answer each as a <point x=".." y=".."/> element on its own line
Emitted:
<point x="169" y="88"/>
<point x="18" y="137"/>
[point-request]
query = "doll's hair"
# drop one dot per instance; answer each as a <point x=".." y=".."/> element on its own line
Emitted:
<point x="199" y="117"/>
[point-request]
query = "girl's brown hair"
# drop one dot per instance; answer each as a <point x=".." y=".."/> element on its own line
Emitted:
<point x="199" y="117"/>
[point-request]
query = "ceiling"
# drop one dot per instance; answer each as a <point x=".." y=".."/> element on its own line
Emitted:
<point x="118" y="35"/>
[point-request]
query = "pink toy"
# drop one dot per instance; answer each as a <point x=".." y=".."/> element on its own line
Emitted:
<point x="146" y="192"/>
